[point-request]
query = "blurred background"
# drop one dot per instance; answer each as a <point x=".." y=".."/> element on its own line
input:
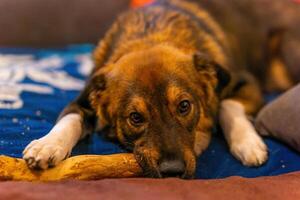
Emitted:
<point x="44" y="23"/>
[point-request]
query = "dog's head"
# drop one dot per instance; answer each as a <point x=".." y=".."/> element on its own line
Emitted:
<point x="160" y="104"/>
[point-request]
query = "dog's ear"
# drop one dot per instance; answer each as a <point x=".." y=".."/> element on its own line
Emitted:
<point x="97" y="83"/>
<point x="98" y="100"/>
<point x="95" y="87"/>
<point x="205" y="65"/>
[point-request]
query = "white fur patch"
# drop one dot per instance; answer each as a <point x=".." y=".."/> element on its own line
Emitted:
<point x="245" y="144"/>
<point x="56" y="145"/>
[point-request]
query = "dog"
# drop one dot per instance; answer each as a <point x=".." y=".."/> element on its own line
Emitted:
<point x="165" y="75"/>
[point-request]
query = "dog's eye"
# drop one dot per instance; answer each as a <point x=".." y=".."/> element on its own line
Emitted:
<point x="136" y="118"/>
<point x="184" y="107"/>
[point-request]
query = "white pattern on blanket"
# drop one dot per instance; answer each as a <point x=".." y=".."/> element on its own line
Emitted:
<point x="45" y="73"/>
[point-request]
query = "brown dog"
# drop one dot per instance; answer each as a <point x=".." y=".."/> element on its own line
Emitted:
<point x="163" y="76"/>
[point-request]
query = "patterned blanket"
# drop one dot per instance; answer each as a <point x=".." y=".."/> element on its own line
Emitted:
<point x="35" y="85"/>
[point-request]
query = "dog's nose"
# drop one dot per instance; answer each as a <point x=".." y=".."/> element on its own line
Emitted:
<point x="172" y="168"/>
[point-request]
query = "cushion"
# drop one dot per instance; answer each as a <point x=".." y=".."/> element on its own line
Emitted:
<point x="35" y="85"/>
<point x="281" y="118"/>
<point x="285" y="187"/>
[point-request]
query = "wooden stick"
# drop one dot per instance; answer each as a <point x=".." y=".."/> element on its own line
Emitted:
<point x="85" y="167"/>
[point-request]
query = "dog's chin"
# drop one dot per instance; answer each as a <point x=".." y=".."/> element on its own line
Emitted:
<point x="188" y="175"/>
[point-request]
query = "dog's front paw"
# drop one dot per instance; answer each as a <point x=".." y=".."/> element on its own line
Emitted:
<point x="251" y="151"/>
<point x="44" y="153"/>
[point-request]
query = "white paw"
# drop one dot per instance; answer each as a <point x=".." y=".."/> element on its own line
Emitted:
<point x="44" y="153"/>
<point x="251" y="150"/>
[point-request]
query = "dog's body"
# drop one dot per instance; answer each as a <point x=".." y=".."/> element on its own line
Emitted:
<point x="163" y="76"/>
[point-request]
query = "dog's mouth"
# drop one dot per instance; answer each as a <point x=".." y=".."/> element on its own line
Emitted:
<point x="177" y="168"/>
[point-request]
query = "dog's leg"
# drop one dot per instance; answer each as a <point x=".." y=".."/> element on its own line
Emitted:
<point x="74" y="123"/>
<point x="244" y="142"/>
<point x="56" y="145"/>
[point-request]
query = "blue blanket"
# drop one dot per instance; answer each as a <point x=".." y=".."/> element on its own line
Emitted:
<point x="35" y="85"/>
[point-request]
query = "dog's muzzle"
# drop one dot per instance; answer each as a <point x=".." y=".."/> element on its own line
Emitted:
<point x="172" y="168"/>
